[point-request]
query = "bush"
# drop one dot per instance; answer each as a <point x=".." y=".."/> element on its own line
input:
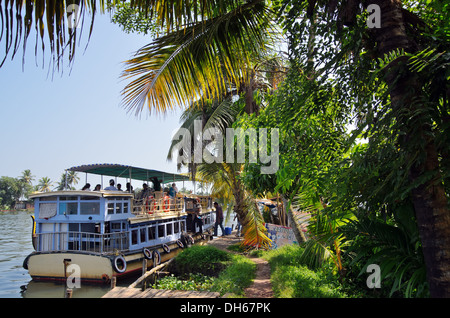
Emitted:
<point x="292" y="279"/>
<point x="206" y="260"/>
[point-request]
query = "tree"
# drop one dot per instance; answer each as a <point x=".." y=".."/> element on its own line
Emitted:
<point x="10" y="192"/>
<point x="411" y="93"/>
<point x="45" y="184"/>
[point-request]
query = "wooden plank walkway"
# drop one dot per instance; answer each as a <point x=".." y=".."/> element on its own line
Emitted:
<point x="126" y="292"/>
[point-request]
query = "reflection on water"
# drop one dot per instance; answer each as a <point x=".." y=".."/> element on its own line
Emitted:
<point x="15" y="245"/>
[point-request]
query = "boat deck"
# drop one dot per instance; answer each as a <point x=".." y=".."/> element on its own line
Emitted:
<point x="126" y="292"/>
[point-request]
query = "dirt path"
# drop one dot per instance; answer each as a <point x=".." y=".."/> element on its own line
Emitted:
<point x="261" y="287"/>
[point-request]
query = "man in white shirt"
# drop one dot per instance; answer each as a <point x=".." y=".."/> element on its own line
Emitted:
<point x="111" y="186"/>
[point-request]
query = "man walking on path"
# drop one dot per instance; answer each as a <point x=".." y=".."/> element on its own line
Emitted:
<point x="219" y="219"/>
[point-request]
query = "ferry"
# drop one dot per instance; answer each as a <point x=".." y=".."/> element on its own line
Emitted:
<point x="110" y="233"/>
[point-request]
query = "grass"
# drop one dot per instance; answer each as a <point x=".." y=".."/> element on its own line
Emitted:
<point x="208" y="268"/>
<point x="291" y="279"/>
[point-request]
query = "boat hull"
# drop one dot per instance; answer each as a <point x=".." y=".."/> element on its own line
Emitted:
<point x="93" y="268"/>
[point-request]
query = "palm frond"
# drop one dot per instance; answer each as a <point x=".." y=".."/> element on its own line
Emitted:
<point x="197" y="62"/>
<point x="255" y="232"/>
<point x="53" y="22"/>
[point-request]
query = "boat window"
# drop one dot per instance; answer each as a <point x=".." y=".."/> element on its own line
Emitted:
<point x="134" y="237"/>
<point x="110" y="208"/>
<point x="161" y="230"/>
<point x="90" y="208"/>
<point x="183" y="225"/>
<point x="169" y="228"/>
<point x="68" y="208"/>
<point x="176" y="227"/>
<point x="118" y="207"/>
<point x="88" y="227"/>
<point x="116" y="226"/>
<point x="125" y="207"/>
<point x="74" y="227"/>
<point x="142" y="232"/>
<point x="151" y="232"/>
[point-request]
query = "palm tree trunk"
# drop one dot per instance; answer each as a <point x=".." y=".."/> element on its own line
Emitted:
<point x="429" y="198"/>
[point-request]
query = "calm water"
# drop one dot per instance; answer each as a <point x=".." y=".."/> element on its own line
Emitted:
<point x="15" y="245"/>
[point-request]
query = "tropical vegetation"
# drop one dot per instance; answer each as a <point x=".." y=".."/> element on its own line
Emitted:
<point x="362" y="111"/>
<point x="15" y="190"/>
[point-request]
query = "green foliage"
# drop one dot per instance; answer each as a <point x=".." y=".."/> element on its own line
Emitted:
<point x="206" y="260"/>
<point x="208" y="268"/>
<point x="133" y="20"/>
<point x="292" y="279"/>
<point x="236" y="277"/>
<point x="196" y="282"/>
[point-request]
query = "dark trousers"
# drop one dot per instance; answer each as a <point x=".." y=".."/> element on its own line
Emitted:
<point x="199" y="222"/>
<point x="216" y="225"/>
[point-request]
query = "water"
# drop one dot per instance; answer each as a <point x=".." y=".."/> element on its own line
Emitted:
<point x="15" y="282"/>
<point x="15" y="246"/>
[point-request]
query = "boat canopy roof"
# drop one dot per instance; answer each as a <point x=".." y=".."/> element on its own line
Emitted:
<point x="124" y="171"/>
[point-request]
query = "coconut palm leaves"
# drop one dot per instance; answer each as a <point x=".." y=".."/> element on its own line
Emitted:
<point x="204" y="60"/>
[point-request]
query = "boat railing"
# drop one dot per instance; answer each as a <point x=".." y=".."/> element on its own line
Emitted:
<point x="154" y="206"/>
<point x="82" y="241"/>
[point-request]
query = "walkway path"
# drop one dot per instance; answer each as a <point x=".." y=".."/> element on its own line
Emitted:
<point x="261" y="287"/>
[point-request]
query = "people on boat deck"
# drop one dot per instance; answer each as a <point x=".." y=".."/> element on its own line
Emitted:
<point x="98" y="187"/>
<point x="111" y="186"/>
<point x="145" y="191"/>
<point x="173" y="191"/>
<point x="219" y="219"/>
<point x="119" y="187"/>
<point x="87" y="187"/>
<point x="196" y="215"/>
<point x="129" y="188"/>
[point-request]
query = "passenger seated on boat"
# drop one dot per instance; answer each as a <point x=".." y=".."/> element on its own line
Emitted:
<point x="111" y="186"/>
<point x="145" y="191"/>
<point x="98" y="187"/>
<point x="173" y="191"/>
<point x="119" y="187"/>
<point x="87" y="187"/>
<point x="129" y="188"/>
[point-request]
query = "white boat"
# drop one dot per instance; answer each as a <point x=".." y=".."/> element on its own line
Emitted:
<point x="109" y="233"/>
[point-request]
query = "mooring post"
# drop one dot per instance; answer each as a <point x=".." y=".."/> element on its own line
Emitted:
<point x="113" y="282"/>
<point x="68" y="293"/>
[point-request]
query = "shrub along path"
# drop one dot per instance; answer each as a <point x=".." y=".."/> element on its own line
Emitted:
<point x="261" y="286"/>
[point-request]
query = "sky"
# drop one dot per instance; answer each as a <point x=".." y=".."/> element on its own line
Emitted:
<point x="75" y="118"/>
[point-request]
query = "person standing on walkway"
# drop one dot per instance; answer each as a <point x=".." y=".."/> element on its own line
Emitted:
<point x="219" y="219"/>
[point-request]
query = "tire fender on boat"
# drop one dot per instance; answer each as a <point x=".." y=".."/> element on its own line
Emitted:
<point x="166" y="248"/>
<point x="156" y="258"/>
<point x="147" y="253"/>
<point x="180" y="244"/>
<point x="116" y="264"/>
<point x="190" y="240"/>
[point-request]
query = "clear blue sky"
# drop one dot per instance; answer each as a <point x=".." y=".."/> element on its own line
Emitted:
<point x="48" y="125"/>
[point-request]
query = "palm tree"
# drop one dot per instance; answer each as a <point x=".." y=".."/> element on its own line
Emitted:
<point x="44" y="184"/>
<point x="27" y="177"/>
